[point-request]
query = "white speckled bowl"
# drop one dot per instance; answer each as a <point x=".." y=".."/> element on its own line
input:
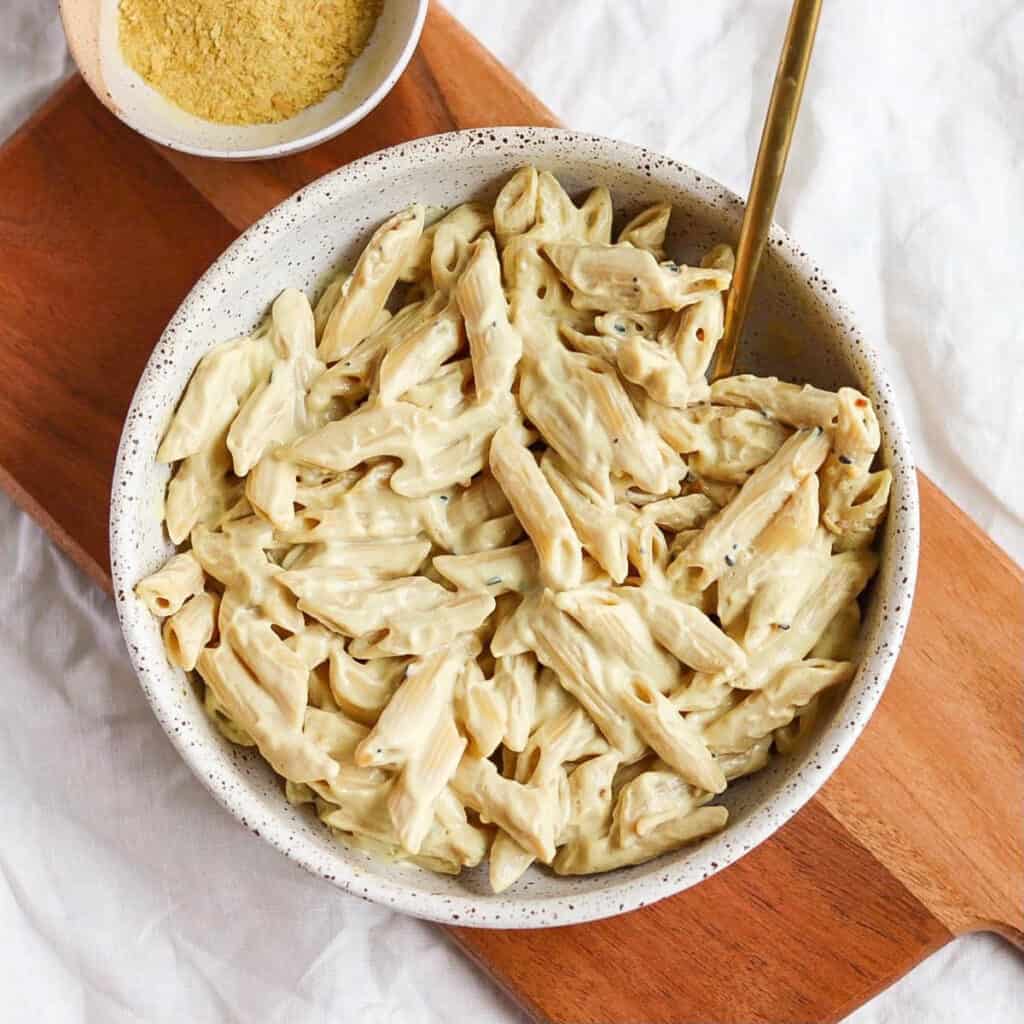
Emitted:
<point x="91" y="30"/>
<point x="799" y="329"/>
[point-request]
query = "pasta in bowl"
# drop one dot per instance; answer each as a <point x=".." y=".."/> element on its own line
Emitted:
<point x="478" y="561"/>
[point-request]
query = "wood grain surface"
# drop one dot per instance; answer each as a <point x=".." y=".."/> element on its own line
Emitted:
<point x="915" y="839"/>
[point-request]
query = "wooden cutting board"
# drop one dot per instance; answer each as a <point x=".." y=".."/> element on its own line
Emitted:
<point x="917" y="837"/>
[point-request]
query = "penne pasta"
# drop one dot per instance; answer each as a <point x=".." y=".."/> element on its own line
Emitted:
<point x="364" y="293"/>
<point x="494" y="344"/>
<point x="847" y="575"/>
<point x="774" y="705"/>
<point x="621" y="327"/>
<point x="559" y="554"/>
<point x="600" y="529"/>
<point x="838" y="642"/>
<point x="619" y="631"/>
<point x="275" y="412"/>
<point x="362" y="690"/>
<point x="446" y="392"/>
<point x="657" y="371"/>
<point x="223" y="380"/>
<point x="595" y="854"/>
<point x="720" y="443"/>
<point x="797" y="406"/>
<point x="421" y="782"/>
<point x="452" y="236"/>
<point x="424" y="629"/>
<point x="622" y="277"/>
<point x="529" y="814"/>
<point x="854" y="500"/>
<point x="651" y="799"/>
<point x="326" y="302"/>
<point x="515" y="209"/>
<point x="510" y="570"/>
<point x="481" y="710"/>
<point x="515" y="677"/>
<point x="647" y="230"/>
<point x="175" y="582"/>
<point x="435" y="453"/>
<point x="671" y="737"/>
<point x="736" y="766"/>
<point x="695" y="331"/>
<point x="190" y="629"/>
<point x="484" y="567"/>
<point x="687" y="632"/>
<point x="201" y="491"/>
<point x="349" y="380"/>
<point x="595" y="680"/>
<point x="759" y="499"/>
<point x="259" y="716"/>
<point x="420" y="354"/>
<point x="776" y="557"/>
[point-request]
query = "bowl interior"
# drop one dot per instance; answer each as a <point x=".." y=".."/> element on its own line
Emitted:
<point x="799" y="330"/>
<point x="92" y="25"/>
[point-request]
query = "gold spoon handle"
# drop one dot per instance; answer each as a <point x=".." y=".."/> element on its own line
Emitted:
<point x="771" y="163"/>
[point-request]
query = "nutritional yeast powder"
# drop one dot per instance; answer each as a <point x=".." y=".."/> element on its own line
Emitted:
<point x="245" y="61"/>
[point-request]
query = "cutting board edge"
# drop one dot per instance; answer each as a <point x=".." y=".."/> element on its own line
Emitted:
<point x="97" y="573"/>
<point x="968" y="523"/>
<point x="840" y="1013"/>
<point x="46" y="108"/>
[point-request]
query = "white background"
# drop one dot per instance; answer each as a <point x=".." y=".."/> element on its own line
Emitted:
<point x="127" y="894"/>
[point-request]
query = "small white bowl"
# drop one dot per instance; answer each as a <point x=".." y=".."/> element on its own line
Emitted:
<point x="799" y="329"/>
<point x="91" y="30"/>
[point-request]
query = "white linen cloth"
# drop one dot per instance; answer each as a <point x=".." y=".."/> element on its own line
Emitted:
<point x="127" y="894"/>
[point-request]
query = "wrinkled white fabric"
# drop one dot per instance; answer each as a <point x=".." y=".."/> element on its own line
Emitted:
<point x="127" y="894"/>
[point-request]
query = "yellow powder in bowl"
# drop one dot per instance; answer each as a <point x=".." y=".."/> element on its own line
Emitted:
<point x="245" y="61"/>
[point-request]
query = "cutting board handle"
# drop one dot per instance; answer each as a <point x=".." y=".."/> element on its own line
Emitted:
<point x="945" y="817"/>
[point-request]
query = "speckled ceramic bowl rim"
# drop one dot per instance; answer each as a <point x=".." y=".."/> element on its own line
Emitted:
<point x="92" y="74"/>
<point x="702" y="861"/>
